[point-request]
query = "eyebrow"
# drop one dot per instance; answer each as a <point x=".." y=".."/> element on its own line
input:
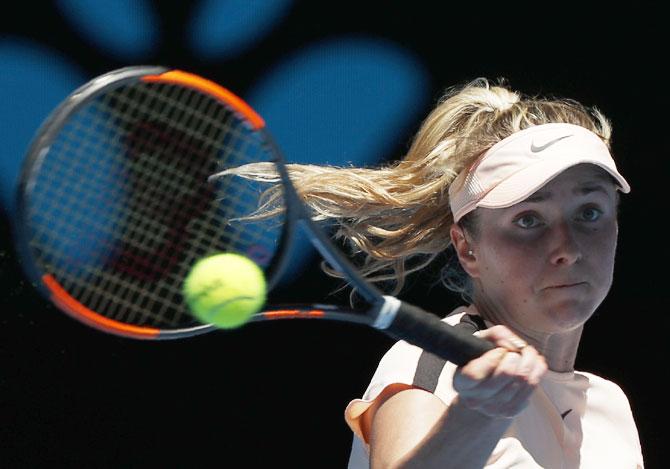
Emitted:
<point x="584" y="189"/>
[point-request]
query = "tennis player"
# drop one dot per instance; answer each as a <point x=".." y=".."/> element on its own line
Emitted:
<point x="520" y="195"/>
<point x="524" y="192"/>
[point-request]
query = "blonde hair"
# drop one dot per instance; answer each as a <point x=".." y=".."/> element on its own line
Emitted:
<point x="397" y="216"/>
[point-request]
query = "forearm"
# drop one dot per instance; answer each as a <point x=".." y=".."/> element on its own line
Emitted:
<point x="463" y="439"/>
<point x="416" y="429"/>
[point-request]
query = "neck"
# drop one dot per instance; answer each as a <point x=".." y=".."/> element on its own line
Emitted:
<point x="558" y="348"/>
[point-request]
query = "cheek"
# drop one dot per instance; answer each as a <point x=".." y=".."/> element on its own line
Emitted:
<point x="603" y="253"/>
<point x="511" y="265"/>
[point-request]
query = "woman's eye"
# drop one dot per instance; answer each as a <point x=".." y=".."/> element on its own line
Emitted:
<point x="527" y="221"/>
<point x="591" y="214"/>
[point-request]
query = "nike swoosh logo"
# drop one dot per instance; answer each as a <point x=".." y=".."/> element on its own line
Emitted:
<point x="535" y="149"/>
<point x="565" y="414"/>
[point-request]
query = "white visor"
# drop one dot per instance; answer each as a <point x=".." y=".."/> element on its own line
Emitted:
<point x="519" y="165"/>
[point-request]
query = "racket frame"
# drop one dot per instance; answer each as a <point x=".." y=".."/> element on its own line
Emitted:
<point x="37" y="151"/>
<point x="386" y="313"/>
<point x="52" y="290"/>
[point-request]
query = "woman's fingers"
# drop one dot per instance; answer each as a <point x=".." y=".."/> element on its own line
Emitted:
<point x="513" y="397"/>
<point x="500" y="382"/>
<point x="473" y="373"/>
<point x="503" y="337"/>
<point x="533" y="366"/>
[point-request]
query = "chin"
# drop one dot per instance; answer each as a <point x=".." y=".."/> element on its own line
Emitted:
<point x="569" y="315"/>
<point x="570" y="308"/>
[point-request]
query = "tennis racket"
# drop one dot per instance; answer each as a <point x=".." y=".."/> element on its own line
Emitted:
<point x="115" y="204"/>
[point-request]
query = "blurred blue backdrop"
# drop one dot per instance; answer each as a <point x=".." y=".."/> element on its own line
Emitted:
<point x="342" y="100"/>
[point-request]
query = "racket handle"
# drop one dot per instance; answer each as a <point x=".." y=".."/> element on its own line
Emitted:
<point x="425" y="330"/>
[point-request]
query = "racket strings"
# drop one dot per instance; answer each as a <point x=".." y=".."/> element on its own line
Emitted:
<point x="118" y="297"/>
<point x="121" y="208"/>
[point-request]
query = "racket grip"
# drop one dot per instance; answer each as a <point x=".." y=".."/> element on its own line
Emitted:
<point x="425" y="330"/>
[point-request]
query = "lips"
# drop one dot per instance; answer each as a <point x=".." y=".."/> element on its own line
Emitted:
<point x="566" y="285"/>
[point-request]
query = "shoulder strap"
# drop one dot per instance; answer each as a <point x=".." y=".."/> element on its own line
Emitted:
<point x="430" y="366"/>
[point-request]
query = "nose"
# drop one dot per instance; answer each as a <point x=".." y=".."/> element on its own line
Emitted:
<point x="565" y="248"/>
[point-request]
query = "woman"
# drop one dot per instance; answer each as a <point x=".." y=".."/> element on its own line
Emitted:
<point x="523" y="193"/>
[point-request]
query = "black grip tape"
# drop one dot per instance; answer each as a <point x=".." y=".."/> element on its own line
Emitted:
<point x="427" y="331"/>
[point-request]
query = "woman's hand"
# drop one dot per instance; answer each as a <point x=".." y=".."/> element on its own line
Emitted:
<point x="500" y="382"/>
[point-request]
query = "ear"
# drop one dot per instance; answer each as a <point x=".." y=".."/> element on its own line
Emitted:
<point x="462" y="247"/>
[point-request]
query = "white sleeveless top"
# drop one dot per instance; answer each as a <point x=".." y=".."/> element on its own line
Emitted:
<point x="573" y="420"/>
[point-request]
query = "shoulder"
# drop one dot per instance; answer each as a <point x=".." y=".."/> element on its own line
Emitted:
<point x="405" y="367"/>
<point x="608" y="407"/>
<point x="409" y="364"/>
<point x="603" y="385"/>
<point x="606" y="395"/>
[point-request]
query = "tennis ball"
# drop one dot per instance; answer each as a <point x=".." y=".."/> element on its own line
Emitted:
<point x="224" y="289"/>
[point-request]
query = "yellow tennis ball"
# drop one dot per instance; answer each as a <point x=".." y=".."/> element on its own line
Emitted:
<point x="225" y="290"/>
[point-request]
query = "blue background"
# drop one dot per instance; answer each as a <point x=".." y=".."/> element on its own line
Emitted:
<point x="340" y="83"/>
